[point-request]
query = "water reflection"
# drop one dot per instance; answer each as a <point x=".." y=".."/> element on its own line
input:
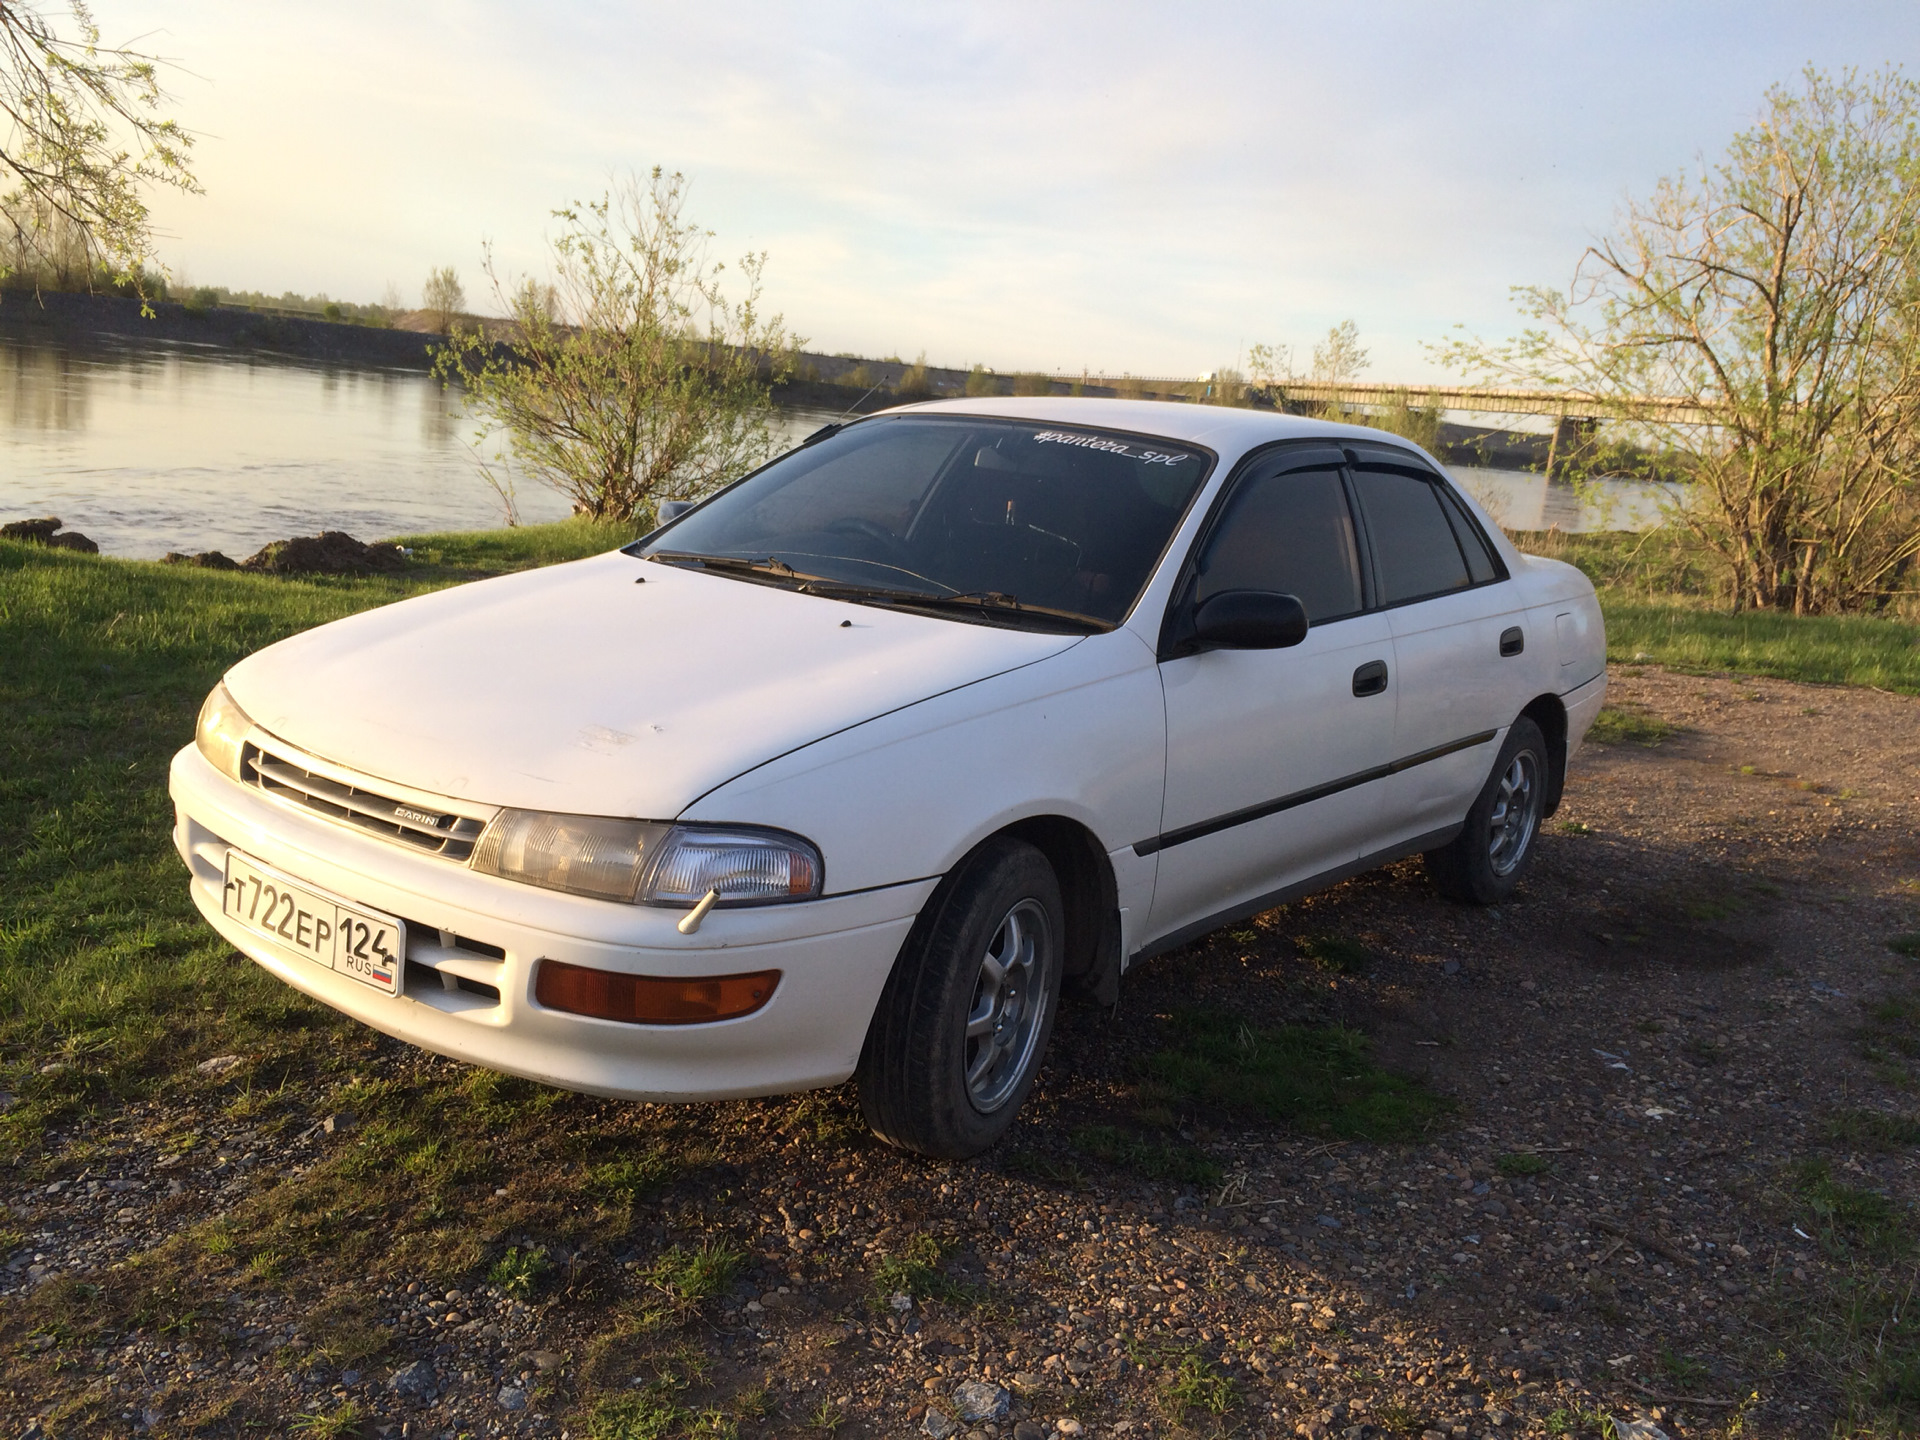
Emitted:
<point x="152" y="448"/>
<point x="1523" y="500"/>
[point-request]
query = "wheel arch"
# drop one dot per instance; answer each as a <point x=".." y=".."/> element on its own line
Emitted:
<point x="1550" y="714"/>
<point x="1088" y="894"/>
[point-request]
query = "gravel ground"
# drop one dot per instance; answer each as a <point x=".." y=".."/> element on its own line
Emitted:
<point x="1638" y="1051"/>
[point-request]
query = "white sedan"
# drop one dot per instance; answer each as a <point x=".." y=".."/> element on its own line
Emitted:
<point x="847" y="769"/>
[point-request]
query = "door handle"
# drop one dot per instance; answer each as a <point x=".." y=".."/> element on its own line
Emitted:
<point x="1512" y="641"/>
<point x="1370" y="678"/>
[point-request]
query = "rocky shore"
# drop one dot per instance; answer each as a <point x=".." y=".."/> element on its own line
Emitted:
<point x="332" y="552"/>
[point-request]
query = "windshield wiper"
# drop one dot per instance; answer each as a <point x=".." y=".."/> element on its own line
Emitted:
<point x="978" y="602"/>
<point x="986" y="603"/>
<point x="770" y="565"/>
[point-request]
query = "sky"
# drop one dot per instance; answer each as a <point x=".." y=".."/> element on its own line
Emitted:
<point x="1148" y="188"/>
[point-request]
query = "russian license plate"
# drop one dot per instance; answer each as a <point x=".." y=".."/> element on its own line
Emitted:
<point x="361" y="944"/>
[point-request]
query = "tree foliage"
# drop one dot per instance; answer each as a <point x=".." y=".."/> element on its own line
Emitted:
<point x="443" y="297"/>
<point x="85" y="136"/>
<point x="1340" y="356"/>
<point x="629" y="377"/>
<point x="1775" y="294"/>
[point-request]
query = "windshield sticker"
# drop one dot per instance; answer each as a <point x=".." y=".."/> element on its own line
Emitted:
<point x="1111" y="447"/>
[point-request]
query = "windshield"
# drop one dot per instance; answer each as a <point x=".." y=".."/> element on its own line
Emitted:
<point x="991" y="519"/>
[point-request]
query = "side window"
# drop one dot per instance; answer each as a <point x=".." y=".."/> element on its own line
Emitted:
<point x="1289" y="532"/>
<point x="1413" y="543"/>
<point x="1481" y="564"/>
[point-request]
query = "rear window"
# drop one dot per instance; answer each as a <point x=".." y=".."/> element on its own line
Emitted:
<point x="1414" y="548"/>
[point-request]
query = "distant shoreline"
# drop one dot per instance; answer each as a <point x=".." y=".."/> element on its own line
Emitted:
<point x="76" y="318"/>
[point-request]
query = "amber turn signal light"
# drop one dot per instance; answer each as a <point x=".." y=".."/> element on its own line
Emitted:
<point x="651" y="999"/>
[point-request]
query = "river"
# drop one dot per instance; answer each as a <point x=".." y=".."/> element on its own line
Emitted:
<point x="149" y="448"/>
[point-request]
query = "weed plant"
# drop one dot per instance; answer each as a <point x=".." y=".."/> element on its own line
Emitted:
<point x="1319" y="1080"/>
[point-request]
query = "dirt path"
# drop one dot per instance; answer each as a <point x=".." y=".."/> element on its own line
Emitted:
<point x="1681" y="1065"/>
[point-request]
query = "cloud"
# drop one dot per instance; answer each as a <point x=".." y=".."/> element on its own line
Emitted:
<point x="1122" y="186"/>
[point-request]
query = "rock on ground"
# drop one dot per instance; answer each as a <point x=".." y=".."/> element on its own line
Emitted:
<point x="332" y="552"/>
<point x="46" y="531"/>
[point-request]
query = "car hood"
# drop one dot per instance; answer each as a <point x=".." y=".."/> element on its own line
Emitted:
<point x="576" y="689"/>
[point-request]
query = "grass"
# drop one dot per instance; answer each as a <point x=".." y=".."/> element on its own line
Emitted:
<point x="633" y="1178"/>
<point x="1889" y="1038"/>
<point x="1821" y="649"/>
<point x="348" y="1420"/>
<point x="1682" y="1372"/>
<point x="914" y="1270"/>
<point x="1628" y="727"/>
<point x="1873" y="1130"/>
<point x="1399" y="1419"/>
<point x="1335" y="953"/>
<point x="1853" y="1327"/>
<point x="1521" y="1163"/>
<point x="1320" y="1080"/>
<point x="1151" y="1157"/>
<point x="517" y="1273"/>
<point x="1195" y="1383"/>
<point x="689" y="1277"/>
<point x="104" y="963"/>
<point x="657" y="1409"/>
<point x="1659" y="606"/>
<point x="1907" y="945"/>
<point x="1580" y="1420"/>
<point x="106" y="968"/>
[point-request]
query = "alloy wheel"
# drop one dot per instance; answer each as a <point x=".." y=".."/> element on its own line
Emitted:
<point x="1516" y="814"/>
<point x="1010" y="997"/>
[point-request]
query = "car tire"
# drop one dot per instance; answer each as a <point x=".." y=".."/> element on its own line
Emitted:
<point x="1483" y="864"/>
<point x="964" y="1021"/>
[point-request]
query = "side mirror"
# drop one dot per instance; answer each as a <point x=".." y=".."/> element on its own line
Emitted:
<point x="671" y="510"/>
<point x="1249" y="620"/>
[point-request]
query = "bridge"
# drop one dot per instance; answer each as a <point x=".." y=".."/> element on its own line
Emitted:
<point x="1576" y="405"/>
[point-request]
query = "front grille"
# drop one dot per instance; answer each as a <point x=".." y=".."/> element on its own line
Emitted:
<point x="422" y="827"/>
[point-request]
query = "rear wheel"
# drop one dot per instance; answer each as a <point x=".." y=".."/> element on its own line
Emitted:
<point x="1483" y="864"/>
<point x="962" y="1026"/>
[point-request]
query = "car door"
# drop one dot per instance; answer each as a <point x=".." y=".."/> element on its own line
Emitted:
<point x="1458" y="627"/>
<point x="1267" y="750"/>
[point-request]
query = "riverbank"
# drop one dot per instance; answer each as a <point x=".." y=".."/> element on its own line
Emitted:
<point x="842" y="384"/>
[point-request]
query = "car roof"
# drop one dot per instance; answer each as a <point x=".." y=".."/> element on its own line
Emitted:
<point x="1226" y="429"/>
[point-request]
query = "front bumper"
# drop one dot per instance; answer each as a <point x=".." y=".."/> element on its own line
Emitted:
<point x="473" y="942"/>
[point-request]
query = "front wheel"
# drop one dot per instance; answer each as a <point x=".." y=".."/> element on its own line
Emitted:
<point x="1483" y="864"/>
<point x="964" y="1021"/>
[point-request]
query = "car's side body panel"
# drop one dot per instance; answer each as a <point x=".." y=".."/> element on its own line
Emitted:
<point x="1457" y="697"/>
<point x="1262" y="750"/>
<point x="1081" y="735"/>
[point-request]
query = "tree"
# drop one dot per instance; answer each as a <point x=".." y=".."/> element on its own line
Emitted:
<point x="1760" y="317"/>
<point x="1270" y="367"/>
<point x="443" y="297"/>
<point x="85" y="137"/>
<point x="1341" y="356"/>
<point x="630" y="377"/>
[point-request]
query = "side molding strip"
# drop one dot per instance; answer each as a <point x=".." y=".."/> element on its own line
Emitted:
<point x="1432" y="840"/>
<point x="1303" y="797"/>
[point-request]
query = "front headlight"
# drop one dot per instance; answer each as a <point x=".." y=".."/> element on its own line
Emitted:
<point x="741" y="867"/>
<point x="221" y="730"/>
<point x="644" y="862"/>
